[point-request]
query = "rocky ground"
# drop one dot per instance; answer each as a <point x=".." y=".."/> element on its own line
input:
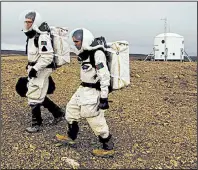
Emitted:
<point x="153" y="120"/>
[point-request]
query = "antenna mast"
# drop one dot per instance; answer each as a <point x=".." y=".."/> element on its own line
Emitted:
<point x="165" y="31"/>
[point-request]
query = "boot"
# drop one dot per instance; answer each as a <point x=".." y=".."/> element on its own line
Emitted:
<point x="107" y="147"/>
<point x="72" y="133"/>
<point x="36" y="119"/>
<point x="56" y="111"/>
<point x="73" y="130"/>
<point x="64" y="140"/>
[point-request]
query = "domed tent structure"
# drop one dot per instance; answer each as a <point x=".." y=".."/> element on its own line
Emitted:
<point x="169" y="46"/>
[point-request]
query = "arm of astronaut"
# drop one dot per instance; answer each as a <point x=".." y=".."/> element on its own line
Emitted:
<point x="63" y="60"/>
<point x="102" y="73"/>
<point x="45" y="51"/>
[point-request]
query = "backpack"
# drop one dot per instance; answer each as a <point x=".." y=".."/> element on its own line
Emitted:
<point x="60" y="44"/>
<point x="119" y="63"/>
<point x="117" y="58"/>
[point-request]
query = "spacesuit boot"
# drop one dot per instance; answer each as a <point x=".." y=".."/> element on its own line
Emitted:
<point x="56" y="111"/>
<point x="36" y="119"/>
<point x="72" y="133"/>
<point x="107" y="147"/>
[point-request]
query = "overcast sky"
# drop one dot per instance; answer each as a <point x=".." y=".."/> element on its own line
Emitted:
<point x="136" y="22"/>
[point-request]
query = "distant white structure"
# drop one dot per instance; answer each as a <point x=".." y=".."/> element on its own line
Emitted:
<point x="168" y="46"/>
<point x="174" y="49"/>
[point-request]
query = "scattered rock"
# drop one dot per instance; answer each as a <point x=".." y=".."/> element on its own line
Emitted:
<point x="152" y="119"/>
<point x="137" y="75"/>
<point x="71" y="162"/>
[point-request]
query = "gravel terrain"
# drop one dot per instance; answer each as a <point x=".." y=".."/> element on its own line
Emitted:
<point x="153" y="120"/>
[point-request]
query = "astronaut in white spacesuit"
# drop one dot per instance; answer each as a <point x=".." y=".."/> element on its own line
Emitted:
<point x="39" y="68"/>
<point x="91" y="99"/>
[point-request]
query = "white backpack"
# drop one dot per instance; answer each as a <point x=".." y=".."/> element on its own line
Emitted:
<point x="117" y="55"/>
<point x="60" y="45"/>
<point x="119" y="64"/>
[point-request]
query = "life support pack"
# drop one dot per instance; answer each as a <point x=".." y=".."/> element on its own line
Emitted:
<point x="60" y="44"/>
<point x="117" y="57"/>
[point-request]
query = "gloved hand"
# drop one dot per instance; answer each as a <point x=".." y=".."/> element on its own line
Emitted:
<point x="103" y="104"/>
<point x="32" y="73"/>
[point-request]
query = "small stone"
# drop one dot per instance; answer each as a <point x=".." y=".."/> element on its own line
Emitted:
<point x="32" y="147"/>
<point x="137" y="75"/>
<point x="174" y="163"/>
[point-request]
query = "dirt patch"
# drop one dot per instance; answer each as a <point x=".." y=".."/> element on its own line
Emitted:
<point x="153" y="120"/>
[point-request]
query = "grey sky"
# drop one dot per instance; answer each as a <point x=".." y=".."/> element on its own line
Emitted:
<point x="136" y="22"/>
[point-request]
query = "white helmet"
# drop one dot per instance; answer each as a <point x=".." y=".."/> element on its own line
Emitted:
<point x="85" y="36"/>
<point x="34" y="16"/>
